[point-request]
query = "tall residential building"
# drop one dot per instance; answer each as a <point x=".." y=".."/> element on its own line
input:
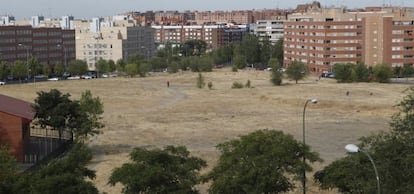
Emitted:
<point x="35" y="21"/>
<point x="214" y="35"/>
<point x="270" y="29"/>
<point x="67" y="22"/>
<point x="23" y="42"/>
<point x="7" y="20"/>
<point x="111" y="42"/>
<point x="321" y="37"/>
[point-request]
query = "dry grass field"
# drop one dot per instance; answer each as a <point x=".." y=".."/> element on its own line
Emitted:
<point x="144" y="112"/>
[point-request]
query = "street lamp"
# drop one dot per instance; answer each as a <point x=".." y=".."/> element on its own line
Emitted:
<point x="313" y="101"/>
<point x="64" y="54"/>
<point x="27" y="59"/>
<point x="351" y="148"/>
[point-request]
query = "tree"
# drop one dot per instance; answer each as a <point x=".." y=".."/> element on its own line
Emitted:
<point x="61" y="175"/>
<point x="19" y="70"/>
<point x="170" y="170"/>
<point x="194" y="47"/>
<point x="393" y="153"/>
<point x="59" y="70"/>
<point x="34" y="66"/>
<point x="276" y="76"/>
<point x="143" y="69"/>
<point x="343" y="72"/>
<point x="131" y="69"/>
<point x="296" y="71"/>
<point x="277" y="50"/>
<point x="362" y="72"/>
<point x="264" y="161"/>
<point x="102" y="66"/>
<point x="8" y="170"/>
<point x="77" y="67"/>
<point x="58" y="112"/>
<point x="120" y="65"/>
<point x="4" y="70"/>
<point x="200" y="81"/>
<point x="382" y="73"/>
<point x="407" y="70"/>
<point x="239" y="61"/>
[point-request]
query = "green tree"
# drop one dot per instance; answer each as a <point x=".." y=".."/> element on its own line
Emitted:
<point x="382" y="73"/>
<point x="265" y="51"/>
<point x="250" y="49"/>
<point x="194" y="47"/>
<point x="276" y="75"/>
<point x="19" y="70"/>
<point x="296" y="71"/>
<point x="34" y="66"/>
<point x="277" y="50"/>
<point x="343" y="72"/>
<point x="4" y="70"/>
<point x="362" y="72"/>
<point x="8" y="170"/>
<point x="143" y="69"/>
<point x="392" y="151"/>
<point x="200" y="81"/>
<point x="59" y="70"/>
<point x="111" y="65"/>
<point x="102" y="66"/>
<point x="47" y="70"/>
<point x="264" y="161"/>
<point x="120" y="65"/>
<point x="239" y="61"/>
<point x="407" y="70"/>
<point x="77" y="67"/>
<point x="131" y="69"/>
<point x="170" y="170"/>
<point x="58" y="112"/>
<point x="61" y="175"/>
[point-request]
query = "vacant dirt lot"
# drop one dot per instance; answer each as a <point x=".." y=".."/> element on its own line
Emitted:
<point x="144" y="112"/>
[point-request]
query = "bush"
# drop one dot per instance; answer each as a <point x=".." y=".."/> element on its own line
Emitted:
<point x="234" y="68"/>
<point x="248" y="84"/>
<point x="237" y="85"/>
<point x="210" y="85"/>
<point x="382" y="73"/>
<point x="276" y="77"/>
<point x="200" y="81"/>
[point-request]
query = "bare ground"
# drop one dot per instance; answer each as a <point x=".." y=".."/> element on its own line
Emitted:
<point x="143" y="112"/>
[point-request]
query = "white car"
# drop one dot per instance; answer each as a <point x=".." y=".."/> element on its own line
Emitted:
<point x="2" y="83"/>
<point x="86" y="77"/>
<point x="73" y="78"/>
<point x="53" y="79"/>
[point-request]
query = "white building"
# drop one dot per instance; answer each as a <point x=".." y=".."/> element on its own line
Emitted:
<point x="35" y="21"/>
<point x="67" y="22"/>
<point x="272" y="29"/>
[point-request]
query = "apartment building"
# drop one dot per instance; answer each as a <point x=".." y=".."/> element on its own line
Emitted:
<point x="220" y="17"/>
<point x="45" y="44"/>
<point x="111" y="40"/>
<point x="270" y="29"/>
<point x="322" y="37"/>
<point x="214" y="35"/>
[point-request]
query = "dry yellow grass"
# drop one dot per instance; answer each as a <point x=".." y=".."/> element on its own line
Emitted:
<point x="144" y="112"/>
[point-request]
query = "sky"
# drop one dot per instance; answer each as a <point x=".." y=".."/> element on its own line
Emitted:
<point x="83" y="9"/>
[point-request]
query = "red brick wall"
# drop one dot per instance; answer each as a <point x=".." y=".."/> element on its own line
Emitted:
<point x="11" y="134"/>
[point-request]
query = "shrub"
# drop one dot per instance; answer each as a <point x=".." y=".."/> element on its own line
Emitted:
<point x="200" y="81"/>
<point x="210" y="85"/>
<point x="237" y="85"/>
<point x="248" y="84"/>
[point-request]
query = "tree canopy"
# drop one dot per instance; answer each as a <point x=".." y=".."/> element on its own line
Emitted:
<point x="264" y="161"/>
<point x="296" y="71"/>
<point x="393" y="153"/>
<point x="57" y="111"/>
<point x="168" y="170"/>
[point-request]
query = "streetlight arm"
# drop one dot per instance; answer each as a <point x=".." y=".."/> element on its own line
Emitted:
<point x="375" y="169"/>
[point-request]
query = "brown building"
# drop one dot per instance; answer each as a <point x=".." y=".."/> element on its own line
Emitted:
<point x="15" y="118"/>
<point x="214" y="35"/>
<point x="48" y="45"/>
<point x="217" y="17"/>
<point x="322" y="37"/>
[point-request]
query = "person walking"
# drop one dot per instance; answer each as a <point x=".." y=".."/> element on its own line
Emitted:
<point x="168" y="84"/>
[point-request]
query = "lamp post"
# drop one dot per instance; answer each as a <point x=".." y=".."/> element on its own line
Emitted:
<point x="313" y="101"/>
<point x="351" y="148"/>
<point x="27" y="59"/>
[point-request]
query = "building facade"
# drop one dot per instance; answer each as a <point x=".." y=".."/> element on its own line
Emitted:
<point x="24" y="42"/>
<point x="214" y="35"/>
<point x="323" y="37"/>
<point x="111" y="41"/>
<point x="270" y="29"/>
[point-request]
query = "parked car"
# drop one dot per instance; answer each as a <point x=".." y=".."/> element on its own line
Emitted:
<point x="53" y="79"/>
<point x="86" y="77"/>
<point x="73" y="77"/>
<point x="2" y="83"/>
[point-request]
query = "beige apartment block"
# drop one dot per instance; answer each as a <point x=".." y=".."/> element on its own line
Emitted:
<point x="112" y="41"/>
<point x="322" y="37"/>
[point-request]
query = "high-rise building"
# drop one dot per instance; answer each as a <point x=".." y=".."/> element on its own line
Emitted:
<point x="111" y="40"/>
<point x="322" y="37"/>
<point x="270" y="29"/>
<point x="23" y="42"/>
